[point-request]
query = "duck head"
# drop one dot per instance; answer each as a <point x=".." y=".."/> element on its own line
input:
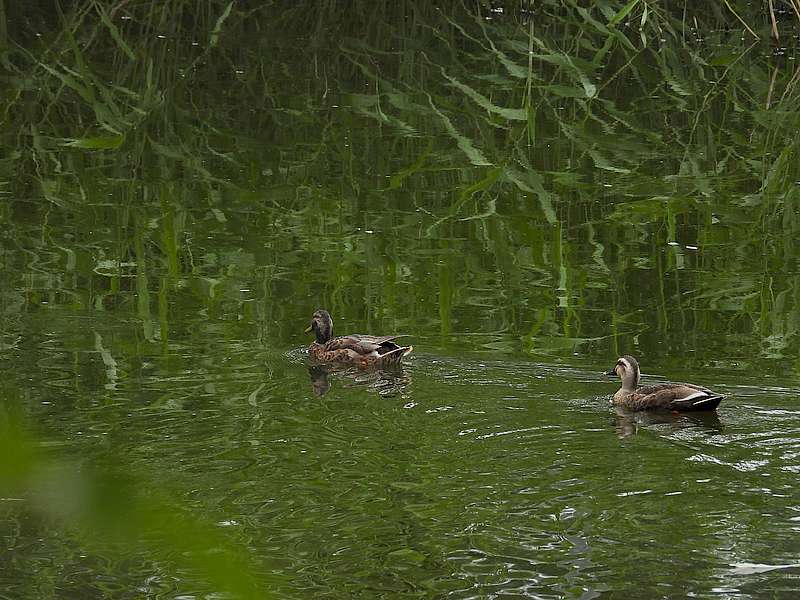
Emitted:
<point x="627" y="369"/>
<point x="321" y="325"/>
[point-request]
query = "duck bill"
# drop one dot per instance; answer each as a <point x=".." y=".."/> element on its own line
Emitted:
<point x="307" y="329"/>
<point x="612" y="372"/>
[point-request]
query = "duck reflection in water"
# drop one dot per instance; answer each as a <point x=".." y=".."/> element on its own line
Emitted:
<point x="320" y="382"/>
<point x="628" y="422"/>
<point x="385" y="382"/>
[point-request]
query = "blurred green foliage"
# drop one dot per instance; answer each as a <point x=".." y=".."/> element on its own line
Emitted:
<point x="110" y="507"/>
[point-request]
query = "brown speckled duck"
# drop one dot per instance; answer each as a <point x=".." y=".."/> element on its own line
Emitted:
<point x="360" y="350"/>
<point x="665" y="396"/>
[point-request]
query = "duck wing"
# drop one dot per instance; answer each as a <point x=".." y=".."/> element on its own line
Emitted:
<point x="677" y="396"/>
<point x="381" y="340"/>
<point x="363" y="344"/>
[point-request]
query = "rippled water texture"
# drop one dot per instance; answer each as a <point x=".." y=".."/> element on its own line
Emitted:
<point x="525" y="195"/>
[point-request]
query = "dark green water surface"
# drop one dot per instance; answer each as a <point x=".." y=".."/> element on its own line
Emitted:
<point x="526" y="198"/>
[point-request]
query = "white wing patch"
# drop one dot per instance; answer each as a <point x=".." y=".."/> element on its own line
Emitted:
<point x="704" y="400"/>
<point x="704" y="395"/>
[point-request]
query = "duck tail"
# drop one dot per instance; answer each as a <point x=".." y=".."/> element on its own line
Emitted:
<point x="710" y="403"/>
<point x="393" y="357"/>
<point x="700" y="401"/>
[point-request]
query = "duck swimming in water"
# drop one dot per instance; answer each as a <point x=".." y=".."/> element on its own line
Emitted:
<point x="669" y="396"/>
<point x="360" y="350"/>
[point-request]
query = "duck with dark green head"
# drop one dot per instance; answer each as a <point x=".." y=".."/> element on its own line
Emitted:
<point x="357" y="349"/>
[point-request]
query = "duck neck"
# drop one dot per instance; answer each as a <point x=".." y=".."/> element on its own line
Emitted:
<point x="323" y="332"/>
<point x="630" y="382"/>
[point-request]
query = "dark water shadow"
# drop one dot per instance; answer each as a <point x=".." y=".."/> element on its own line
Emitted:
<point x="385" y="382"/>
<point x="627" y="423"/>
